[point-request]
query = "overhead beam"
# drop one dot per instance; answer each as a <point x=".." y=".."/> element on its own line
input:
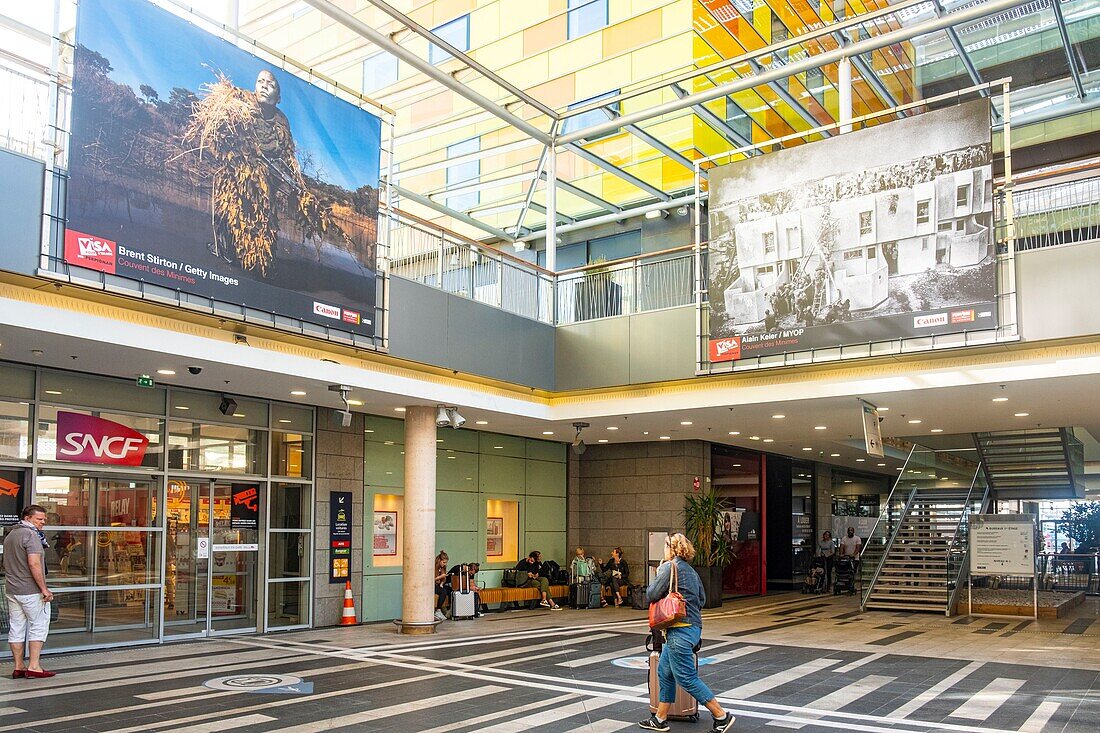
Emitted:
<point x="561" y="217"/>
<point x="1063" y="31"/>
<point x="458" y="215"/>
<point x="867" y="45"/>
<point x="614" y="170"/>
<point x="654" y="143"/>
<point x="717" y="123"/>
<point x="875" y="83"/>
<point x="964" y="57"/>
<point x="462" y="56"/>
<point x="530" y="197"/>
<point x="787" y="98"/>
<point x="384" y="42"/>
<point x="589" y="197"/>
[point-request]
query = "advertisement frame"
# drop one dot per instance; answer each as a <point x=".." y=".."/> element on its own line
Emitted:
<point x="1005" y="328"/>
<point x="51" y="261"/>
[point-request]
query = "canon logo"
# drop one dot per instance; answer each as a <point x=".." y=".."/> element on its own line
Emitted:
<point x="328" y="311"/>
<point x="107" y="446"/>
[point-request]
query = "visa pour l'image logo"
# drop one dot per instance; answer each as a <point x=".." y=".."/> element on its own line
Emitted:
<point x="86" y="250"/>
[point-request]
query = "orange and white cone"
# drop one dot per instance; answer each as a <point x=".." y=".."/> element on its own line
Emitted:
<point x="348" y="617"/>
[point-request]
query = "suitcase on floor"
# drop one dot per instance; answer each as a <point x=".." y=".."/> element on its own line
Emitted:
<point x="685" y="707"/>
<point x="595" y="594"/>
<point x="581" y="594"/>
<point x="463" y="598"/>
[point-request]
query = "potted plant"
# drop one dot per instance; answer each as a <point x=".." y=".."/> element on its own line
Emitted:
<point x="703" y="514"/>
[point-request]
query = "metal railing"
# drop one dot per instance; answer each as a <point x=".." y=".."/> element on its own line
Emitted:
<point x="1053" y="214"/>
<point x="958" y="549"/>
<point x="877" y="544"/>
<point x="1055" y="572"/>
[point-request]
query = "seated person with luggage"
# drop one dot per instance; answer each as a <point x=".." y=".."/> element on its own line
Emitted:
<point x="581" y="567"/>
<point x="442" y="588"/>
<point x="462" y="579"/>
<point x="615" y="574"/>
<point x="531" y="566"/>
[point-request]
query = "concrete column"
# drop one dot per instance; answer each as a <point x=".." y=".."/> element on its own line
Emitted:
<point x="844" y="89"/>
<point x="418" y="526"/>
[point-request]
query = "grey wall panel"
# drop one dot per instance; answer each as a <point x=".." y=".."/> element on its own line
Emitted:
<point x="1055" y="288"/>
<point x="21" y="181"/>
<point x="662" y="345"/>
<point x="449" y="331"/>
<point x="593" y="353"/>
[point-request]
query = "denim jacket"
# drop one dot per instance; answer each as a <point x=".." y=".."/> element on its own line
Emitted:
<point x="687" y="582"/>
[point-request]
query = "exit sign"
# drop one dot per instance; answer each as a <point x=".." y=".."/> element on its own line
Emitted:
<point x="145" y="381"/>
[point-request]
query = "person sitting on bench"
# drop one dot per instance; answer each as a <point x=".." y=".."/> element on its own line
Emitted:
<point x="531" y="566"/>
<point x="471" y="570"/>
<point x="614" y="574"/>
<point x="442" y="589"/>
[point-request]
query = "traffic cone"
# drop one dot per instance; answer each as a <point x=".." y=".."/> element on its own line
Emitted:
<point x="348" y="617"/>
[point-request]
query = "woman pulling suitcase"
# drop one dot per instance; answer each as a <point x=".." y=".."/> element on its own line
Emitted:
<point x="677" y="662"/>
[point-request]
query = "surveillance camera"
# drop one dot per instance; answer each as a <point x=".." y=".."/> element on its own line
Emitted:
<point x="457" y="420"/>
<point x="195" y="369"/>
<point x="342" y="418"/>
<point x="442" y="419"/>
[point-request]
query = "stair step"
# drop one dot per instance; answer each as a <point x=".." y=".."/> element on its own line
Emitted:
<point x="904" y="607"/>
<point x="910" y="594"/>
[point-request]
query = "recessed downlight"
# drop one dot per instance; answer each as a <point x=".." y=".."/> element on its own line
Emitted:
<point x="612" y="427"/>
<point x="860" y="460"/>
<point x="936" y="430"/>
<point x="880" y="464"/>
<point x="298" y="392"/>
<point x="820" y="427"/>
<point x="284" y="420"/>
<point x="769" y="440"/>
<point x="166" y="372"/>
<point x="399" y="409"/>
<point x="686" y="422"/>
<point x="481" y="422"/>
<point x="547" y="432"/>
<point x="1022" y="414"/>
<point x="807" y="449"/>
<point x="666" y="437"/>
<point x="735" y="432"/>
<point x="356" y="403"/>
<point x="834" y="455"/>
<point x="883" y="409"/>
<point x="915" y="422"/>
<point x="602" y="440"/>
<point x="778" y="417"/>
<point x="754" y="437"/>
<point x="182" y="407"/>
<point x="53" y="391"/>
<point x="1000" y="399"/>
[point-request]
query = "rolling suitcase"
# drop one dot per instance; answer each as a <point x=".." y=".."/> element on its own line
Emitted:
<point x="595" y="594"/>
<point x="685" y="707"/>
<point x="463" y="599"/>
<point x="582" y="593"/>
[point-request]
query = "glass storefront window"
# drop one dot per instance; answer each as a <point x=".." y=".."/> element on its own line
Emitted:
<point x="71" y="501"/>
<point x="291" y="455"/>
<point x="291" y="418"/>
<point x="216" y="448"/>
<point x="290" y="506"/>
<point x="150" y="427"/>
<point x="102" y="618"/>
<point x="287" y="555"/>
<point x="16" y="382"/>
<point x="287" y="604"/>
<point x="15" y="431"/>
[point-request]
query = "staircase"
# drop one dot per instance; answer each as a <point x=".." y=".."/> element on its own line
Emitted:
<point x="1033" y="464"/>
<point x="913" y="574"/>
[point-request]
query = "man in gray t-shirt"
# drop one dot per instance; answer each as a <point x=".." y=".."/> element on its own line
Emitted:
<point x="26" y="592"/>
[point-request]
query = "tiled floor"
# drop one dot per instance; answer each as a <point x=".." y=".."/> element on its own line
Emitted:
<point x="786" y="662"/>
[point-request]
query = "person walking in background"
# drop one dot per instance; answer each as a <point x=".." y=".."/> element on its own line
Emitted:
<point x="677" y="662"/>
<point x="27" y="595"/>
<point x="532" y="567"/>
<point x="826" y="550"/>
<point x="442" y="589"/>
<point x="851" y="546"/>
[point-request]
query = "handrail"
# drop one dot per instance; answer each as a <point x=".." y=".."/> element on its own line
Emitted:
<point x="632" y="258"/>
<point x="964" y="554"/>
<point x="886" y="504"/>
<point x="887" y="547"/>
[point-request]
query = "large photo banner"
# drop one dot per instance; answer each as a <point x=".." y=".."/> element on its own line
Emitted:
<point x="880" y="234"/>
<point x="199" y="167"/>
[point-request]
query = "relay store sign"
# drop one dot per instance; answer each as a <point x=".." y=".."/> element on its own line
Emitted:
<point x="88" y="439"/>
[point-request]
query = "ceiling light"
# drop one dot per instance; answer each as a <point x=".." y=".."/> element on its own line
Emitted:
<point x="754" y="437"/>
<point x="1022" y="414"/>
<point x="807" y="449"/>
<point x="282" y="420"/>
<point x="834" y="455"/>
<point x="685" y="422"/>
<point x="820" y="427"/>
<point x="735" y="432"/>
<point x="937" y="430"/>
<point x="682" y="211"/>
<point x="357" y="403"/>
<point x="883" y="409"/>
<point x="298" y="392"/>
<point x="498" y="447"/>
<point x="899" y="469"/>
<point x="769" y="440"/>
<point x="166" y="372"/>
<point x="778" y="417"/>
<point x="399" y="409"/>
<point x="612" y="427"/>
<point x="547" y="432"/>
<point x="182" y="407"/>
<point x="860" y="460"/>
<point x="737" y="465"/>
<point x="914" y="422"/>
<point x="847" y="480"/>
<point x="645" y="432"/>
<point x="666" y="437"/>
<point x="1000" y="399"/>
<point x="481" y="422"/>
<point x="53" y="391"/>
<point x="241" y="414"/>
<point x="656" y="214"/>
<point x="602" y="440"/>
<point x="368" y="430"/>
<point x="880" y="464"/>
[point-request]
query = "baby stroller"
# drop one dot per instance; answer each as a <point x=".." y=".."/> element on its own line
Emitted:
<point x="815" y="579"/>
<point x="845" y="576"/>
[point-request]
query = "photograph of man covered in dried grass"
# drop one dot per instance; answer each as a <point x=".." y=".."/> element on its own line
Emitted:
<point x="200" y="167"/>
<point x="879" y="234"/>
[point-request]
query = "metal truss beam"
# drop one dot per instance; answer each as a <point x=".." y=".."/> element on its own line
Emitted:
<point x="654" y="143"/>
<point x="1074" y="72"/>
<point x="791" y="102"/>
<point x="873" y="43"/>
<point x="589" y="197"/>
<point x="561" y="217"/>
<point x="875" y="83"/>
<point x="614" y="170"/>
<point x="458" y="215"/>
<point x="473" y="64"/>
<point x="714" y="121"/>
<point x="540" y="173"/>
<point x="964" y="57"/>
<point x="384" y="42"/>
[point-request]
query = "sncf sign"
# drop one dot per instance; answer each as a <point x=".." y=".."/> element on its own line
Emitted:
<point x="87" y="439"/>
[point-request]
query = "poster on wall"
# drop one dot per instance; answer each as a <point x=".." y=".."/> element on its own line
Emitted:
<point x="199" y="167"/>
<point x="12" y="497"/>
<point x="494" y="537"/>
<point x="385" y="534"/>
<point x="244" y="513"/>
<point x="339" y="533"/>
<point x="880" y="234"/>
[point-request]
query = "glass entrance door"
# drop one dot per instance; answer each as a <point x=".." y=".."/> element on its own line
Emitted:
<point x="211" y="565"/>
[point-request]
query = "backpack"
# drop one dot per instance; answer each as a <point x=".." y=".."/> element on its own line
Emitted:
<point x="549" y="569"/>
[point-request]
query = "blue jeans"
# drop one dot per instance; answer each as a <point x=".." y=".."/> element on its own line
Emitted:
<point x="677" y="665"/>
